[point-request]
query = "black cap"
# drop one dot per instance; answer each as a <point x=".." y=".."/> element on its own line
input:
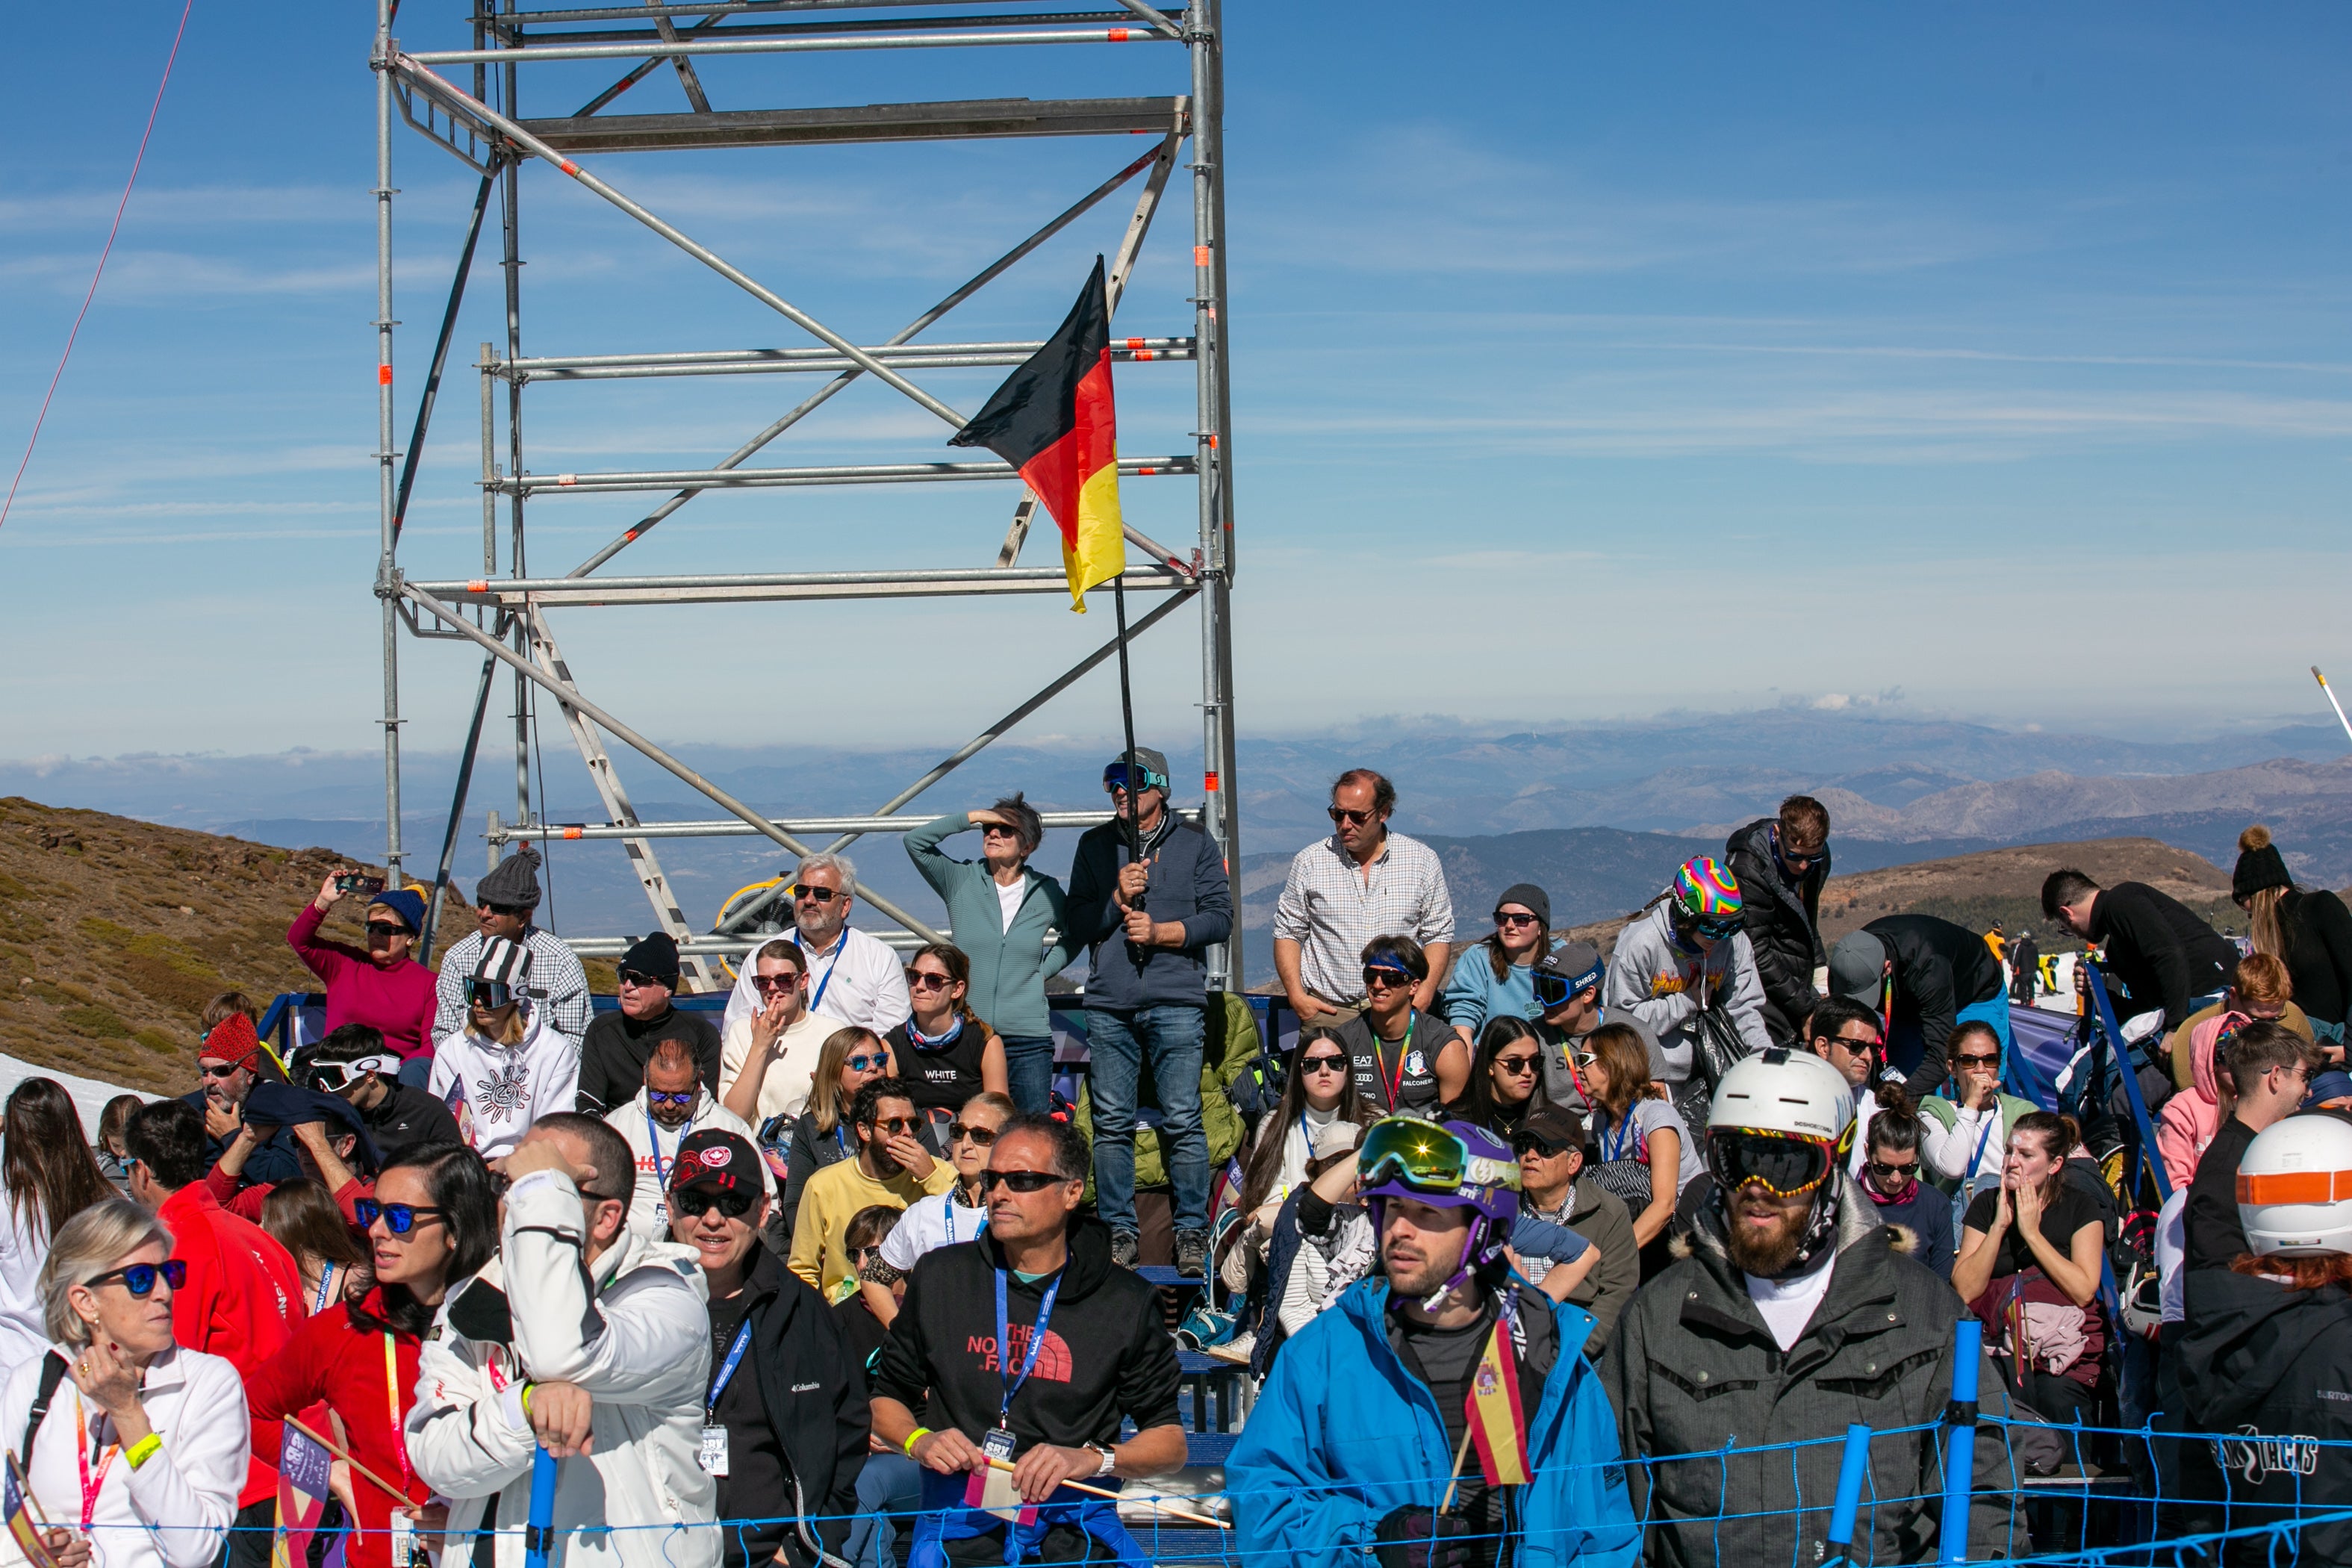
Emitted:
<point x="716" y="1158"/>
<point x="656" y="955"/>
<point x="1556" y="1125"/>
<point x="1531" y="898"/>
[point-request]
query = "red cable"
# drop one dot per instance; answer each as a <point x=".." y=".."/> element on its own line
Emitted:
<point x="153" y="108"/>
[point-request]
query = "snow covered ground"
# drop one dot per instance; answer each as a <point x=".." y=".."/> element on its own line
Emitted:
<point x="89" y="1096"/>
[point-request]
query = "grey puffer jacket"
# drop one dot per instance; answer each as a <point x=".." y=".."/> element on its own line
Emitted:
<point x="1693" y="1368"/>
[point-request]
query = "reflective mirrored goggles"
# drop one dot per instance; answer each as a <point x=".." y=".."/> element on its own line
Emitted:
<point x="138" y="1279"/>
<point x="1714" y="928"/>
<point x="1421" y="1154"/>
<point x="1554" y="990"/>
<point x="1784" y="1166"/>
<point x="488" y="992"/>
<point x="1116" y="776"/>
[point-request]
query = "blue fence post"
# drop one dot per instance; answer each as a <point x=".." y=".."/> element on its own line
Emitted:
<point x="538" y="1537"/>
<point x="1851" y="1466"/>
<point x="1961" y="1439"/>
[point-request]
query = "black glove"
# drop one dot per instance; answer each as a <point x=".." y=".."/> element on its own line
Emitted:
<point x="1417" y="1537"/>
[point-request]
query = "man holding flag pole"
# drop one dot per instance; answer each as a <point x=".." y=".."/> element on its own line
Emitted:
<point x="1443" y="1417"/>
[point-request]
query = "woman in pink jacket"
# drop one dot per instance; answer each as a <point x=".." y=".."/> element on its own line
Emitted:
<point x="2260" y="989"/>
<point x="380" y="985"/>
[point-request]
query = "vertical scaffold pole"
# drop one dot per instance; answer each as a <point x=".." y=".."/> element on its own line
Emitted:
<point x="1212" y="452"/>
<point x="1961" y="1439"/>
<point x="387" y="596"/>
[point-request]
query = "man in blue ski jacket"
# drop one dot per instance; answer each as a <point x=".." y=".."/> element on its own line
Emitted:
<point x="1367" y="1441"/>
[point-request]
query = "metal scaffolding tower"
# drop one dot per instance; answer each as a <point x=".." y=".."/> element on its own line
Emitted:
<point x="469" y="103"/>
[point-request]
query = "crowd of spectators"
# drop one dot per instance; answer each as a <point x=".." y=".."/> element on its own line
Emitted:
<point x="1649" y="1227"/>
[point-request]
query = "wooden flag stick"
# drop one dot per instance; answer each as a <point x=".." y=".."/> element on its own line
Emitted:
<point x="1454" y="1480"/>
<point x="1160" y="1503"/>
<point x="357" y="1468"/>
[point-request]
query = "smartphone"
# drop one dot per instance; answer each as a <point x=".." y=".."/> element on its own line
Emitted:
<point x="357" y="883"/>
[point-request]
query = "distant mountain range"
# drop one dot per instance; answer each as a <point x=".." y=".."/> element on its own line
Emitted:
<point x="1599" y="813"/>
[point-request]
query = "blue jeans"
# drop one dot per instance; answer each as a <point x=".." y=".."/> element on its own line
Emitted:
<point x="1029" y="1070"/>
<point x="890" y="1484"/>
<point x="1170" y="1039"/>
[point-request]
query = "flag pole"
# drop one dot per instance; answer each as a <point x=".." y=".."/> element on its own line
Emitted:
<point x="2323" y="687"/>
<point x="1127" y="716"/>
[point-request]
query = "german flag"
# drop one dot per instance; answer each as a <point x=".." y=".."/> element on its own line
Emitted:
<point x="1053" y="419"/>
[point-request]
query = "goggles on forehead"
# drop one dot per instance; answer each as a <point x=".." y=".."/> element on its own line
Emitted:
<point x="1784" y="1166"/>
<point x="332" y="1078"/>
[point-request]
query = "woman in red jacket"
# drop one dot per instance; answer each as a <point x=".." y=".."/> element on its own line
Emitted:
<point x="433" y="1222"/>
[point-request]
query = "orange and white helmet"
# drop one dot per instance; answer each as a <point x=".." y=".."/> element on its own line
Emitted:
<point x="2294" y="1186"/>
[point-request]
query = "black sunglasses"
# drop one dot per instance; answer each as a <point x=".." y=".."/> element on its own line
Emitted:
<point x="981" y="1137"/>
<point x="1977" y="1059"/>
<point x="1388" y="979"/>
<point x="138" y="1279"/>
<point x="1881" y="1168"/>
<point x="886" y="1125"/>
<point x="1512" y="918"/>
<point x="776" y="981"/>
<point x="639" y="978"/>
<point x="1323" y="1063"/>
<point x="1018" y="1180"/>
<point x="1517" y="1066"/>
<point x="1354" y="818"/>
<point x="225" y="1068"/>
<point x="387" y="928"/>
<point x="733" y="1202"/>
<point x="398" y="1218"/>
<point x="513" y="912"/>
<point x="817" y="895"/>
<point x="683" y="1097"/>
<point x="1536" y="1143"/>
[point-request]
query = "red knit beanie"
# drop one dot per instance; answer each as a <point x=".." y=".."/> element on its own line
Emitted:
<point x="232" y="1040"/>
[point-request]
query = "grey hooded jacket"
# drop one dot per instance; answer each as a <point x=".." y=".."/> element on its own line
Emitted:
<point x="1693" y="1369"/>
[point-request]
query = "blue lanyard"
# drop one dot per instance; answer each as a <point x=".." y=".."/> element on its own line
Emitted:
<point x="1992" y="1119"/>
<point x="325" y="1280"/>
<point x="1616" y="1146"/>
<point x="653" y="1131"/>
<point x="830" y="969"/>
<point x="1004" y="1335"/>
<point x="734" y="1356"/>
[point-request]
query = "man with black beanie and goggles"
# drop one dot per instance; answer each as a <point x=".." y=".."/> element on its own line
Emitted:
<point x="1792" y="1313"/>
<point x="1460" y="1355"/>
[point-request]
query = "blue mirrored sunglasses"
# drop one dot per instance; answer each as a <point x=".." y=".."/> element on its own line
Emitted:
<point x="398" y="1218"/>
<point x="138" y="1279"/>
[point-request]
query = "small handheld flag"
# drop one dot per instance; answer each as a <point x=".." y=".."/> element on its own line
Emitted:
<point x="1054" y="420"/>
<point x="16" y="1500"/>
<point x="303" y="1467"/>
<point x="1495" y="1420"/>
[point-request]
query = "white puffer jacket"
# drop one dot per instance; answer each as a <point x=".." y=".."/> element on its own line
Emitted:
<point x="636" y="1339"/>
<point x="1667" y="988"/>
<point x="497" y="1091"/>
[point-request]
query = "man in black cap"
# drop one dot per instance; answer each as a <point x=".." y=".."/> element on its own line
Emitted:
<point x="613" y="1054"/>
<point x="503" y="903"/>
<point x="784" y="1428"/>
<point x="1568" y="990"/>
<point x="1148" y="897"/>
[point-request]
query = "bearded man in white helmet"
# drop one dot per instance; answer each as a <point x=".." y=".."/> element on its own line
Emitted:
<point x="2267" y="1355"/>
<point x="1792" y="1313"/>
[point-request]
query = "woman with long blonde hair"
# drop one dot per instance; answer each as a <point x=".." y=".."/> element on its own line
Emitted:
<point x="850" y="1058"/>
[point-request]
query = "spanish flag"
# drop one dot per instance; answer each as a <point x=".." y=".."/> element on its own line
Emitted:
<point x="1053" y="419"/>
<point x="1496" y="1419"/>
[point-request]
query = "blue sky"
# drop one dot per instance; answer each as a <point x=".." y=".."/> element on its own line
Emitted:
<point x="1588" y="361"/>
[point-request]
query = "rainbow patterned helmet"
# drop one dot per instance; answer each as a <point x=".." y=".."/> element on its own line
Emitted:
<point x="1706" y="890"/>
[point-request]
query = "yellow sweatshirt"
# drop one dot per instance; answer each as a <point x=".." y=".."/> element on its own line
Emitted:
<point x="832" y="1198"/>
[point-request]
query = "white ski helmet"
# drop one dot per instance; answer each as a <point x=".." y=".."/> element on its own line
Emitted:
<point x="2294" y="1186"/>
<point x="1792" y="1092"/>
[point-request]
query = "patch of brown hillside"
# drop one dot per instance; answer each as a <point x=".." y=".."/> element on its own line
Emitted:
<point x="115" y="933"/>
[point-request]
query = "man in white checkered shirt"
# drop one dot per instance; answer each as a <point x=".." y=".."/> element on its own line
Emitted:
<point x="1362" y="882"/>
<point x="503" y="903"/>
